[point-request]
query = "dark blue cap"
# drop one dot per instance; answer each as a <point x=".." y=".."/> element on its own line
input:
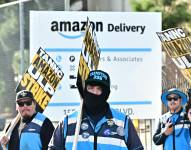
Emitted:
<point x="98" y="77"/>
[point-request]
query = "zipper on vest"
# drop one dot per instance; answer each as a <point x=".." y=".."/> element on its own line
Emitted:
<point x="96" y="135"/>
<point x="174" y="144"/>
<point x="95" y="141"/>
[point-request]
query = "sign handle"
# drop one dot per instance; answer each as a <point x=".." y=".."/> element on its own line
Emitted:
<point x="77" y="130"/>
<point x="11" y="127"/>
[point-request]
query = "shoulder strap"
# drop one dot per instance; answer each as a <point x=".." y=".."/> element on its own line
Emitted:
<point x="65" y="126"/>
<point x="126" y="128"/>
<point x="190" y="130"/>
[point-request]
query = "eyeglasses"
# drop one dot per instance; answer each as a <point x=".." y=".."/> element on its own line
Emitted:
<point x="27" y="103"/>
<point x="175" y="98"/>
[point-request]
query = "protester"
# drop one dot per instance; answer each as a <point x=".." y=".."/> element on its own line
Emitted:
<point x="173" y="127"/>
<point x="33" y="131"/>
<point x="101" y="127"/>
<point x="188" y="112"/>
<point x="188" y="106"/>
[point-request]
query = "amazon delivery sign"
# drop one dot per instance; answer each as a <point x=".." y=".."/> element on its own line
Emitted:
<point x="130" y="53"/>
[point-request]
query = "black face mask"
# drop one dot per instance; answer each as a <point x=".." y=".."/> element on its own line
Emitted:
<point x="96" y="104"/>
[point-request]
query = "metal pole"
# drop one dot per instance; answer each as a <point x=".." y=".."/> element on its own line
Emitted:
<point x="21" y="24"/>
<point x="12" y="3"/>
<point x="67" y="5"/>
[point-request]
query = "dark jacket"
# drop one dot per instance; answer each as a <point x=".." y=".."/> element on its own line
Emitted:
<point x="114" y="131"/>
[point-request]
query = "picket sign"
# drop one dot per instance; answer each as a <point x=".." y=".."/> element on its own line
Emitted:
<point x="41" y="66"/>
<point x="90" y="54"/>
<point x="176" y="42"/>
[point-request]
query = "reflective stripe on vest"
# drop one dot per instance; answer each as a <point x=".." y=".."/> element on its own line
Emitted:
<point x="110" y="132"/>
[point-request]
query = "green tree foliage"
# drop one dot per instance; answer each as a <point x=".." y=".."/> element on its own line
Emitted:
<point x="8" y="43"/>
<point x="10" y="56"/>
<point x="175" y="13"/>
<point x="17" y="62"/>
<point x="5" y="1"/>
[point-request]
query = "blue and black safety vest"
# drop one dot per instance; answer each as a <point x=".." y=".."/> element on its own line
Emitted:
<point x="30" y="136"/>
<point x="110" y="133"/>
<point x="180" y="138"/>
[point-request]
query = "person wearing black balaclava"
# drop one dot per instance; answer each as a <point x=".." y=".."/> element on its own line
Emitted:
<point x="96" y="94"/>
<point x="101" y="127"/>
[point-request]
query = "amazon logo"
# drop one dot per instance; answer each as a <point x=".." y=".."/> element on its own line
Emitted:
<point x="64" y="28"/>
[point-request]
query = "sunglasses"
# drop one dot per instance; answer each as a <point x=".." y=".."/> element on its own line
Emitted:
<point x="175" y="98"/>
<point x="27" y="103"/>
